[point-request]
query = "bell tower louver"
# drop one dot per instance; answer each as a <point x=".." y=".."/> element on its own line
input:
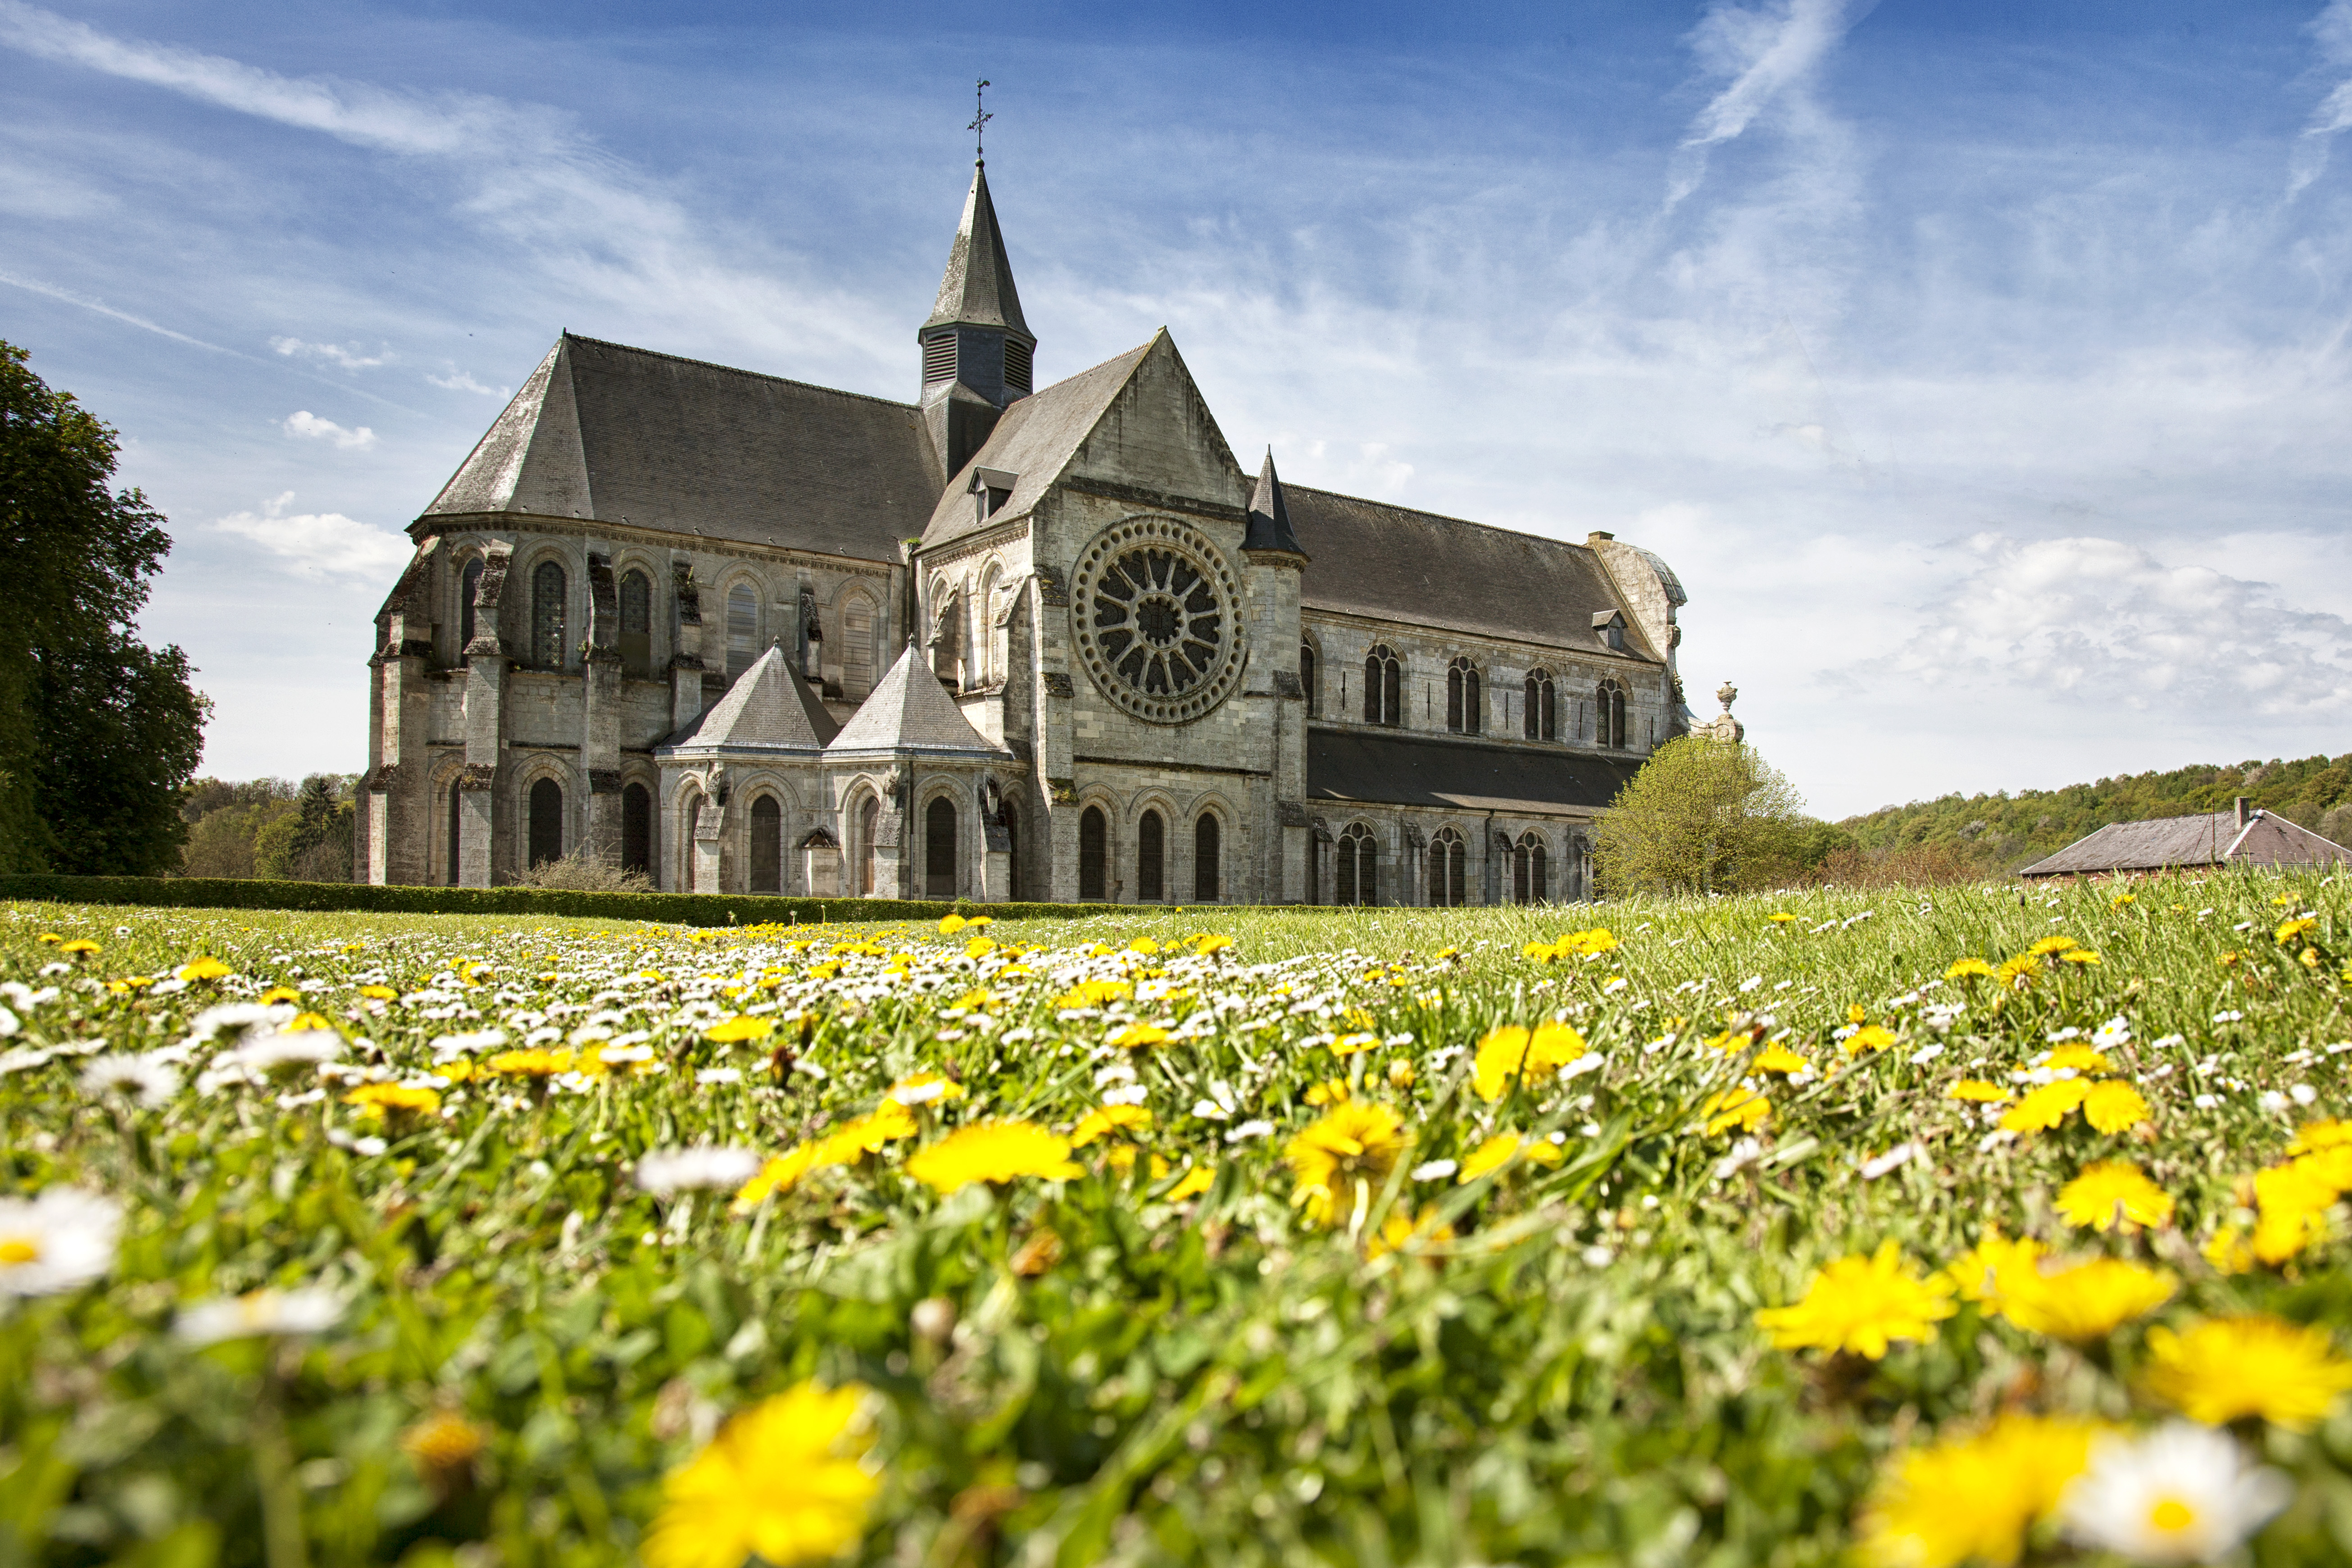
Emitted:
<point x="976" y="348"/>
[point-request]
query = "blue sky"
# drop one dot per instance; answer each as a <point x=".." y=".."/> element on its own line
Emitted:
<point x="1981" y="368"/>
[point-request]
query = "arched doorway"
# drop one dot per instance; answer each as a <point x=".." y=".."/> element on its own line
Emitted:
<point x="939" y="850"/>
<point x="546" y="822"/>
<point x="638" y="829"/>
<point x="1150" y="859"/>
<point x="1094" y="852"/>
<point x="767" y="845"/>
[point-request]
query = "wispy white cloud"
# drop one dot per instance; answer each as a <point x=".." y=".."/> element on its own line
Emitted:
<point x="459" y="381"/>
<point x="309" y="427"/>
<point x="320" y="544"/>
<point x="2104" y="620"/>
<point x="100" y="307"/>
<point x="2332" y="29"/>
<point x="350" y="357"/>
<point x="1769" y="54"/>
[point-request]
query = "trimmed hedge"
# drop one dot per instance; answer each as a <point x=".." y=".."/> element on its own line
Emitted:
<point x="670" y="909"/>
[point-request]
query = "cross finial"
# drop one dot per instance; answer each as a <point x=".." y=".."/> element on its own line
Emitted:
<point x="980" y="119"/>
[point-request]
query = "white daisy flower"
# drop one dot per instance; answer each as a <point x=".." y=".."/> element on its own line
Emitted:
<point x="149" y="1081"/>
<point x="278" y="1054"/>
<point x="719" y="1075"/>
<point x="307" y="1310"/>
<point x="1434" y="1170"/>
<point x="2182" y="1493"/>
<point x="666" y="1171"/>
<point x="60" y="1240"/>
<point x="233" y="1018"/>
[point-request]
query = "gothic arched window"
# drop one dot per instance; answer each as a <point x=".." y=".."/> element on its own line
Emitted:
<point x="742" y="629"/>
<point x="636" y="623"/>
<point x="939" y="850"/>
<point x="1464" y="709"/>
<point x="1306" y="678"/>
<point x="1530" y="870"/>
<point x="1094" y="852"/>
<point x="869" y="827"/>
<point x="767" y="845"/>
<point x="1609" y="714"/>
<point x="1150" y="859"/>
<point x="549" y="587"/>
<point x="1448" y="868"/>
<point x="1383" y="685"/>
<point x="456" y="832"/>
<point x="1208" y="842"/>
<point x="546" y="834"/>
<point x="469" y="584"/>
<point x="1541" y="706"/>
<point x="1357" y="855"/>
<point x="638" y="829"/>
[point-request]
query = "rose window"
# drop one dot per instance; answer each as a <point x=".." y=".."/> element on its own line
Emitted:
<point x="1155" y="619"/>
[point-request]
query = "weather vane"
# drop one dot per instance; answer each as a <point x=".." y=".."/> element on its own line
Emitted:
<point x="981" y="117"/>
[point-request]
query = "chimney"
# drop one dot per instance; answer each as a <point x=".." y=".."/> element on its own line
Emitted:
<point x="2245" y="812"/>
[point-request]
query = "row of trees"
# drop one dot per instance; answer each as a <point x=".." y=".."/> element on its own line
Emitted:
<point x="272" y="828"/>
<point x="98" y="733"/>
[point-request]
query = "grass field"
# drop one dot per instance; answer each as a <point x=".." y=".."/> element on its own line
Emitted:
<point x="1728" y="1232"/>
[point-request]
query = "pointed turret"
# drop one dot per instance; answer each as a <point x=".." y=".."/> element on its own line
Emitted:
<point x="1269" y="519"/>
<point x="770" y="709"/>
<point x="909" y="713"/>
<point x="977" y="347"/>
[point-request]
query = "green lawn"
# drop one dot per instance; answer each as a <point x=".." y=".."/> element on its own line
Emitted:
<point x="1238" y="1286"/>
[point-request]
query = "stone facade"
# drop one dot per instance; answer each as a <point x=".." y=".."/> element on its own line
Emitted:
<point x="751" y="636"/>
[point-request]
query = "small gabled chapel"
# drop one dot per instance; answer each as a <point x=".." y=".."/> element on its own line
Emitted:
<point x="751" y="636"/>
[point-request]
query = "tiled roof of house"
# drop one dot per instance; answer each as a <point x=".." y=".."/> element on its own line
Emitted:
<point x="2210" y="839"/>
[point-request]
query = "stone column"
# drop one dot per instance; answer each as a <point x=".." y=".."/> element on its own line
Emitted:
<point x="486" y="733"/>
<point x="709" y="840"/>
<point x="399" y="777"/>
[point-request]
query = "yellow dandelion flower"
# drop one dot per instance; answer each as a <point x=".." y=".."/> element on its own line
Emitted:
<point x="1973" y="1498"/>
<point x="979" y="947"/>
<point x="1987" y="1271"/>
<point x="951" y="924"/>
<point x="2080" y="956"/>
<point x="1598" y="940"/>
<point x="1541" y="952"/>
<point x="2049" y="944"/>
<point x="2120" y="900"/>
<point x="2114" y="1107"/>
<point x="2229" y="1251"/>
<point x="2085" y="1302"/>
<point x="277" y="994"/>
<point x="48" y="936"/>
<point x="1402" y="1074"/>
<point x="2112" y="1193"/>
<point x="303" y="1023"/>
<point x="206" y="969"/>
<point x="1780" y="917"/>
<point x="443" y="1443"/>
<point x="1138" y="1036"/>
<point x="1403" y="1226"/>
<point x="1196" y="1180"/>
<point x="924" y="1089"/>
<point x="2281" y="1234"/>
<point x="1353" y="1045"/>
<point x="2045" y="1107"/>
<point x="1743" y="1109"/>
<point x="2314" y="1136"/>
<point x="1515" y="1051"/>
<point x="1121" y="1159"/>
<point x="1330" y="1092"/>
<point x="1968" y="969"/>
<point x="781" y="1174"/>
<point x="1095" y="993"/>
<point x="2290" y="929"/>
<point x="1778" y="1058"/>
<point x="2016" y="974"/>
<point x="379" y="993"/>
<point x="1862" y="1305"/>
<point x="853" y="1141"/>
<point x="1502" y="1149"/>
<point x="784" y="1482"/>
<point x="529" y="1064"/>
<point x="1869" y="1038"/>
<point x="2081" y="1057"/>
<point x="1976" y="1089"/>
<point x="1143" y="944"/>
<point x="992" y="1152"/>
<point x="79" y="947"/>
<point x="1856" y="1014"/>
<point x="2226" y="1368"/>
<point x="740" y="1028"/>
<point x="391" y="1098"/>
<point x="1342" y="1159"/>
<point x="1106" y="1119"/>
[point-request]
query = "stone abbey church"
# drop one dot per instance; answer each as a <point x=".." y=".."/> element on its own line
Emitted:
<point x="747" y="635"/>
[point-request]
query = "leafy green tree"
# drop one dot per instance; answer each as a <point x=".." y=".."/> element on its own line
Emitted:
<point x="98" y="733"/>
<point x="311" y="843"/>
<point x="1700" y="817"/>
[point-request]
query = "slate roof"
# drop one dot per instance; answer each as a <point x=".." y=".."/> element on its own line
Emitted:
<point x="2207" y="839"/>
<point x="1389" y="769"/>
<point x="977" y="290"/>
<point x="1269" y="514"/>
<point x="1392" y="562"/>
<point x="616" y="434"/>
<point x="911" y="712"/>
<point x="1037" y="438"/>
<point x="769" y="709"/>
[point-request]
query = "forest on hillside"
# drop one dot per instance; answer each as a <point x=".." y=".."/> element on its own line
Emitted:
<point x="2003" y="831"/>
<point x="270" y="827"/>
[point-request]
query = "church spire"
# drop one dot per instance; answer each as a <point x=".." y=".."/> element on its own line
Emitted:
<point x="976" y="346"/>
<point x="1269" y="518"/>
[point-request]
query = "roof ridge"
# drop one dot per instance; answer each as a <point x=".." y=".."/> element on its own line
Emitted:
<point x="739" y="370"/>
<point x="1437" y="516"/>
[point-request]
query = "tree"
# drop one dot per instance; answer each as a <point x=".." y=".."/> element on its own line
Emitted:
<point x="311" y="843"/>
<point x="1700" y="817"/>
<point x="99" y="733"/>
